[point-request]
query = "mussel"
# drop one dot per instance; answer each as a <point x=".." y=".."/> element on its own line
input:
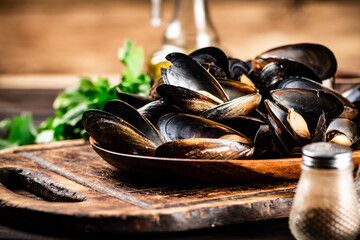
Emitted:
<point x="207" y="105"/>
<point x="190" y="136"/>
<point x="315" y="56"/>
<point x="116" y="134"/>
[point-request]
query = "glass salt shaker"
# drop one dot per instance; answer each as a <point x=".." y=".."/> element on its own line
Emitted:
<point x="325" y="205"/>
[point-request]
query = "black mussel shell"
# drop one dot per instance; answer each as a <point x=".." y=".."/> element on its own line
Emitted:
<point x="238" y="68"/>
<point x="214" y="70"/>
<point x="185" y="99"/>
<point x="115" y="134"/>
<point x="274" y="72"/>
<point x="132" y="116"/>
<point x="247" y="125"/>
<point x="315" y="56"/>
<point x="264" y="147"/>
<point x="154" y="110"/>
<point x="309" y="103"/>
<point x="344" y="126"/>
<point x="235" y="89"/>
<point x="184" y="126"/>
<point x="134" y="100"/>
<point x="298" y="82"/>
<point x="282" y="128"/>
<point x="320" y="129"/>
<point x="213" y="56"/>
<point x="188" y="73"/>
<point x="240" y="106"/>
<point x="204" y="148"/>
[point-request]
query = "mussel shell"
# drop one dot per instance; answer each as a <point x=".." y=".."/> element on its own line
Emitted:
<point x="184" y="126"/>
<point x="116" y="134"/>
<point x="276" y="139"/>
<point x="212" y="55"/>
<point x="214" y="70"/>
<point x="320" y="129"/>
<point x="188" y="73"/>
<point x="235" y="89"/>
<point x="247" y="125"/>
<point x="309" y="103"/>
<point x="274" y="72"/>
<point x="300" y="82"/>
<point x="315" y="56"/>
<point x="205" y="148"/>
<point x="282" y="128"/>
<point x="343" y="125"/>
<point x="297" y="82"/>
<point x="263" y="143"/>
<point x="135" y="100"/>
<point x="240" y="106"/>
<point x="186" y="99"/>
<point x="154" y="110"/>
<point x="238" y="67"/>
<point x="129" y="114"/>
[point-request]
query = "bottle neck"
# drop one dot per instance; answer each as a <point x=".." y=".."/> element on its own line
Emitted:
<point x="191" y="27"/>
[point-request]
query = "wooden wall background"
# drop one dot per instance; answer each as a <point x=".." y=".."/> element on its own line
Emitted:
<point x="43" y="42"/>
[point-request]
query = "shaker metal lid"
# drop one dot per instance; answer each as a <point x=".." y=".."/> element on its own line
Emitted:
<point x="327" y="155"/>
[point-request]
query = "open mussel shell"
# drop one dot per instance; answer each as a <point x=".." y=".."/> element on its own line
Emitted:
<point x="204" y="148"/>
<point x="342" y="131"/>
<point x="276" y="139"/>
<point x="238" y="68"/>
<point x="214" y="70"/>
<point x="134" y="100"/>
<point x="298" y="82"/>
<point x="247" y="125"/>
<point x="132" y="116"/>
<point x="185" y="99"/>
<point x="281" y="127"/>
<point x="115" y="134"/>
<point x="309" y="103"/>
<point x="213" y="56"/>
<point x="184" y="126"/>
<point x="235" y="89"/>
<point x="240" y="106"/>
<point x="315" y="56"/>
<point x="154" y="110"/>
<point x="274" y="72"/>
<point x="188" y="73"/>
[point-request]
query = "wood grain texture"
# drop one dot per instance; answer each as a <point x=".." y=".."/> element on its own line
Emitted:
<point x="66" y="185"/>
<point x="82" y="37"/>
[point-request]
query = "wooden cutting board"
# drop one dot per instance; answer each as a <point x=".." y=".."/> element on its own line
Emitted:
<point x="67" y="186"/>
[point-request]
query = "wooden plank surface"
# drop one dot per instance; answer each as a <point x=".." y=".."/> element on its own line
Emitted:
<point x="70" y="184"/>
<point x="82" y="37"/>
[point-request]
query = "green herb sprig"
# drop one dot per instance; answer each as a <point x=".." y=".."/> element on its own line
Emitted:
<point x="70" y="104"/>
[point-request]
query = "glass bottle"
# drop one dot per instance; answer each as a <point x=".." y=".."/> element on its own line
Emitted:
<point x="190" y="28"/>
<point x="325" y="205"/>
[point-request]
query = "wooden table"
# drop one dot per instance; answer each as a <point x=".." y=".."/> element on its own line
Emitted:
<point x="39" y="102"/>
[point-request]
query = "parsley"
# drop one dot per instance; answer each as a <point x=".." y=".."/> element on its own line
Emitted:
<point x="133" y="81"/>
<point x="73" y="102"/>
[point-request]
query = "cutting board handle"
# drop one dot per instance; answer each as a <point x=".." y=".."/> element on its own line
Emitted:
<point x="36" y="186"/>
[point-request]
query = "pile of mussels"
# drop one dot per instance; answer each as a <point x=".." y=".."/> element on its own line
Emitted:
<point x="210" y="106"/>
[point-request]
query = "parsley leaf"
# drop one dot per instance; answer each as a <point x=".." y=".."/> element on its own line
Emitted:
<point x="133" y="81"/>
<point x="70" y="104"/>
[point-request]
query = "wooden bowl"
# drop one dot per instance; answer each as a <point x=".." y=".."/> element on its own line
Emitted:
<point x="219" y="171"/>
